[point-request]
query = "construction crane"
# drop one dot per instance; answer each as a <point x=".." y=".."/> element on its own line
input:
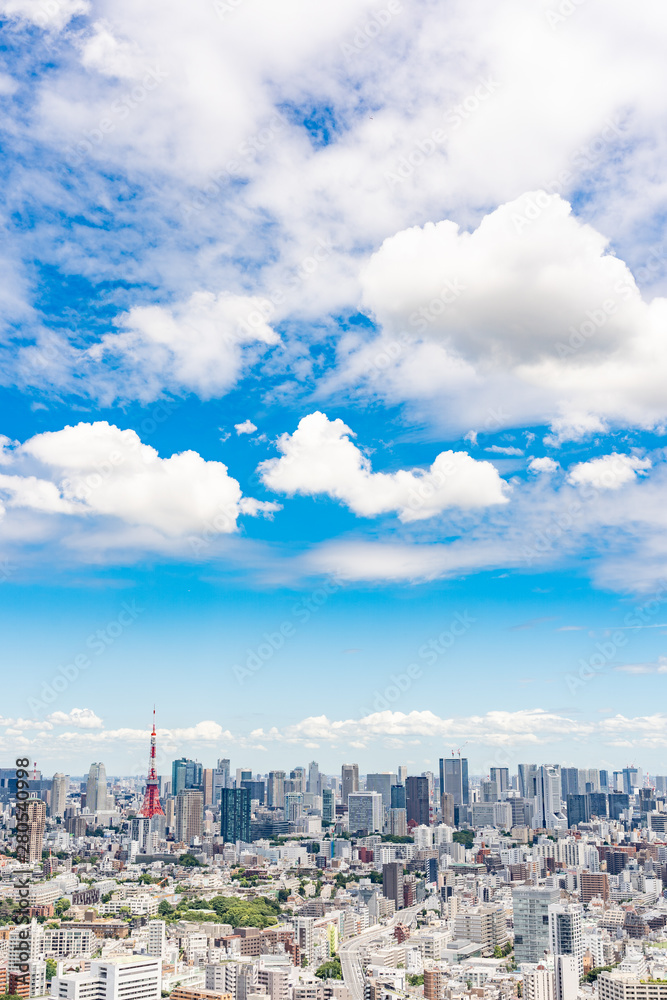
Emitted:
<point x="459" y="749"/>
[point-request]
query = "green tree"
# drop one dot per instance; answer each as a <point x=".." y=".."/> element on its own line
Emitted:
<point x="416" y="980"/>
<point x="164" y="909"/>
<point x="61" y="906"/>
<point x="51" y="968"/>
<point x="189" y="861"/>
<point x="331" y="969"/>
<point x="465" y="837"/>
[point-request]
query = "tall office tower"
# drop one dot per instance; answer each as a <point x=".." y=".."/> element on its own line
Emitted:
<point x="489" y="791"/>
<point x="402" y="774"/>
<point x="365" y="812"/>
<point x="225" y="767"/>
<point x="242" y="774"/>
<point x="569" y="782"/>
<point x="257" y="790"/>
<point x="189" y="814"/>
<point x="349" y="779"/>
<point x="578" y="809"/>
<point x="398" y="822"/>
<point x="604" y="781"/>
<point x="618" y="802"/>
<point x="382" y="783"/>
<point x="276" y="790"/>
<point x="527" y="781"/>
<point x="454" y="779"/>
<point x="565" y="933"/>
<point x="157" y="938"/>
<point x="501" y="776"/>
<point x="151" y="805"/>
<point x="328" y="805"/>
<point x="36" y="818"/>
<point x="397" y="800"/>
<point x="632" y="779"/>
<point x="207" y="785"/>
<point x="417" y="800"/>
<point x="617" y="781"/>
<point x="660" y="783"/>
<point x="185" y="773"/>
<point x="313" y="785"/>
<point x="96" y="788"/>
<point x="293" y="806"/>
<point x="59" y="789"/>
<point x="447" y="809"/>
<point x="298" y="774"/>
<point x="235" y="815"/>
<point x="531" y="922"/>
<point x="392" y="883"/>
<point x="547" y="812"/>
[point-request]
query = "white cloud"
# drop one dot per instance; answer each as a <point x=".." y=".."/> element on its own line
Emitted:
<point x="100" y="470"/>
<point x="320" y="458"/>
<point x="203" y="344"/>
<point x="498" y="449"/>
<point x="609" y="472"/>
<point x="544" y="464"/>
<point x="81" y="718"/>
<point x="660" y="667"/>
<point x="529" y="315"/>
<point x="50" y="15"/>
<point x="247" y="427"/>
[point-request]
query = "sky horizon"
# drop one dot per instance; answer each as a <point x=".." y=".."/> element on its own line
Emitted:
<point x="333" y="365"/>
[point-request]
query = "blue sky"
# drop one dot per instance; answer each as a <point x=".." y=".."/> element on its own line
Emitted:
<point x="332" y="391"/>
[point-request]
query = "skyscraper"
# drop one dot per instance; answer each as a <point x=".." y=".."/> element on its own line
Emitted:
<point x="382" y="783"/>
<point x="578" y="809"/>
<point x="349" y="777"/>
<point x="96" y="788"/>
<point x="397" y="797"/>
<point x="417" y="800"/>
<point x="454" y="779"/>
<point x="569" y="782"/>
<point x="36" y="817"/>
<point x="365" y="812"/>
<point x="59" y="789"/>
<point x="531" y="922"/>
<point x="392" y="883"/>
<point x="402" y="774"/>
<point x="328" y="805"/>
<point x="185" y="773"/>
<point x="235" y="814"/>
<point x="276" y="790"/>
<point x="313" y="785"/>
<point x="189" y="814"/>
<point x="501" y="776"/>
<point x="565" y="933"/>
<point x="547" y="813"/>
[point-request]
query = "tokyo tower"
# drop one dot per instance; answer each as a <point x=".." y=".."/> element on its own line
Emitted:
<point x="151" y="804"/>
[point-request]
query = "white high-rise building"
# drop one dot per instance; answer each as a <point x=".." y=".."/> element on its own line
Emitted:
<point x="59" y="789"/>
<point x="547" y="812"/>
<point x="313" y="785"/>
<point x="129" y="977"/>
<point x="157" y="938"/>
<point x="567" y="977"/>
<point x="304" y="935"/>
<point x="96" y="788"/>
<point x="565" y="936"/>
<point x="538" y="980"/>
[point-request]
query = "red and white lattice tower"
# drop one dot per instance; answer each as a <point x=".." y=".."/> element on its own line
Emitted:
<point x="151" y="804"/>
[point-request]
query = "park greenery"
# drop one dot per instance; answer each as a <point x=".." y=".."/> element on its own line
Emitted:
<point x="331" y="969"/>
<point x="260" y="912"/>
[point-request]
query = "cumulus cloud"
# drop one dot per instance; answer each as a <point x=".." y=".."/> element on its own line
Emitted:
<point x="319" y="458"/>
<point x="80" y="718"/>
<point x="247" y="427"/>
<point x="609" y="472"/>
<point x="544" y="464"/>
<point x="201" y="345"/>
<point x="530" y="308"/>
<point x="100" y="470"/>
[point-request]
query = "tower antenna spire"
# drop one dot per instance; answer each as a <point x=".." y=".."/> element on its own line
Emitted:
<point x="151" y="805"/>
